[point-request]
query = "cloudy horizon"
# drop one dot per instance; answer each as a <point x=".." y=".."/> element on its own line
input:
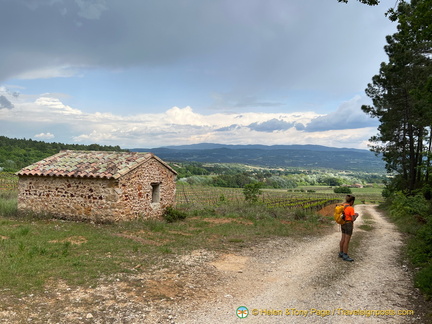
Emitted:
<point x="161" y="73"/>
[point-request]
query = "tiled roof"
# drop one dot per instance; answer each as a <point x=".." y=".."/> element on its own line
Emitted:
<point x="88" y="164"/>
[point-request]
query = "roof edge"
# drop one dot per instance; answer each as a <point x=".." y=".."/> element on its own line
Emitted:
<point x="148" y="157"/>
<point x="143" y="157"/>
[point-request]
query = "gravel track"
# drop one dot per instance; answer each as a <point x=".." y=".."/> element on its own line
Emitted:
<point x="284" y="280"/>
<point x="305" y="282"/>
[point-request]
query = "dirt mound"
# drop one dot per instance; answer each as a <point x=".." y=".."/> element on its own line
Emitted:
<point x="328" y="210"/>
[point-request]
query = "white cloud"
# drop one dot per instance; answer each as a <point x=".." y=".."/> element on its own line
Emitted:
<point x="44" y="136"/>
<point x="178" y="126"/>
<point x="184" y="116"/>
<point x="56" y="104"/>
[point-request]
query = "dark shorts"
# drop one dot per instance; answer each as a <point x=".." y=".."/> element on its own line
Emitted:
<point x="347" y="228"/>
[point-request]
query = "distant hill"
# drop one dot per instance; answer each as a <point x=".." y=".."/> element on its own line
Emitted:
<point x="302" y="156"/>
<point x="17" y="153"/>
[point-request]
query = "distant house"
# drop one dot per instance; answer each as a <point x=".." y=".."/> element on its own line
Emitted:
<point x="97" y="186"/>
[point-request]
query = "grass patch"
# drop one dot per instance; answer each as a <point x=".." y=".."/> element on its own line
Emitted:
<point x="367" y="223"/>
<point x="366" y="227"/>
<point x="8" y="203"/>
<point x="79" y="253"/>
<point x="36" y="250"/>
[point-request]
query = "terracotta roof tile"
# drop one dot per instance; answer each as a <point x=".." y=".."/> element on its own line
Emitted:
<point x="88" y="164"/>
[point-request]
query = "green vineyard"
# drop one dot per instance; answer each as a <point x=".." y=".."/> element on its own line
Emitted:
<point x="206" y="196"/>
<point x="8" y="181"/>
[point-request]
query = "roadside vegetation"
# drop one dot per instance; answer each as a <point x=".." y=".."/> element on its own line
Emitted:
<point x="413" y="216"/>
<point x="36" y="250"/>
<point x="401" y="95"/>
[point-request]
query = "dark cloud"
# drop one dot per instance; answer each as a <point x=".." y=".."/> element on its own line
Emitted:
<point x="348" y="116"/>
<point x="228" y="128"/>
<point x="249" y="45"/>
<point x="271" y="125"/>
<point x="5" y="103"/>
<point x="300" y="126"/>
<point x="266" y="126"/>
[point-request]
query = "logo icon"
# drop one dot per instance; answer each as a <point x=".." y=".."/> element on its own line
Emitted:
<point x="242" y="312"/>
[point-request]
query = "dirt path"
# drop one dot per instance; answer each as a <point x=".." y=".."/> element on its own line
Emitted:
<point x="284" y="280"/>
<point x="305" y="282"/>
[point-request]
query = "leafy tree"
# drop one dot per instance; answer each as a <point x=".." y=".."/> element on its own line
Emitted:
<point x="401" y="97"/>
<point x="342" y="190"/>
<point x="198" y="180"/>
<point x="332" y="181"/>
<point x="238" y="180"/>
<point x="185" y="170"/>
<point x="18" y="153"/>
<point x="281" y="182"/>
<point x="251" y="191"/>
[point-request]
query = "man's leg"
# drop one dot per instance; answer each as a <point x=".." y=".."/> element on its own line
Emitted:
<point x="345" y="242"/>
<point x="347" y="239"/>
<point x="341" y="245"/>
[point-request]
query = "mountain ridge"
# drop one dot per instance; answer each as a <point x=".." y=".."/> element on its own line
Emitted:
<point x="312" y="147"/>
<point x="303" y="156"/>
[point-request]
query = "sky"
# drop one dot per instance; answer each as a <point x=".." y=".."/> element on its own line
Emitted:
<point x="152" y="73"/>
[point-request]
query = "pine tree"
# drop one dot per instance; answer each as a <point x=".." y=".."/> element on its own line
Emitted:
<point x="401" y="97"/>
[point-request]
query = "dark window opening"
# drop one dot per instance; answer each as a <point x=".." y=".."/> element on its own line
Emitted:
<point x="155" y="192"/>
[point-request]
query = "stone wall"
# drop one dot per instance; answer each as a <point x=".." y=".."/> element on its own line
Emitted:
<point x="136" y="190"/>
<point x="101" y="200"/>
<point x="77" y="198"/>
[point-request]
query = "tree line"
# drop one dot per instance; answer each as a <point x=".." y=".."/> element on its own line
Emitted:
<point x="401" y="96"/>
<point x="238" y="176"/>
<point x="18" y="153"/>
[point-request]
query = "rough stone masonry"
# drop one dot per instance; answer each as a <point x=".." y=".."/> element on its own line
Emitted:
<point x="97" y="186"/>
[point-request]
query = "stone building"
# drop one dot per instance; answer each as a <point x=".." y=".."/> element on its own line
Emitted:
<point x="97" y="186"/>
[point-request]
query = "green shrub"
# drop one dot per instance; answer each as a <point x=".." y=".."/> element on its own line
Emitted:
<point x="342" y="190"/>
<point x="172" y="215"/>
<point x="412" y="214"/>
<point x="423" y="280"/>
<point x="251" y="191"/>
<point x="414" y="206"/>
<point x="300" y="214"/>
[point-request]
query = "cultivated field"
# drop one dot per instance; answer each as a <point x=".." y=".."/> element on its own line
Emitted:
<point x="8" y="181"/>
<point x="317" y="197"/>
<point x="195" y="195"/>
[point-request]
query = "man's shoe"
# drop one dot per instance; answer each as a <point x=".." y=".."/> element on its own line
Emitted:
<point x="347" y="258"/>
<point x="341" y="254"/>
